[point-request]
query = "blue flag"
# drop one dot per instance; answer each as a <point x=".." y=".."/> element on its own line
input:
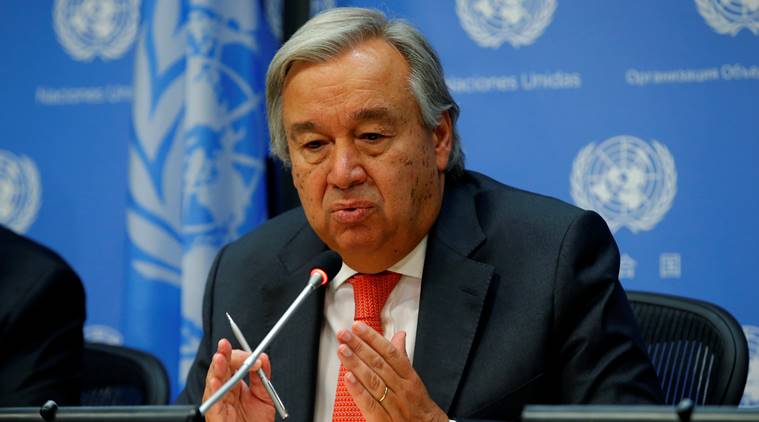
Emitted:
<point x="196" y="162"/>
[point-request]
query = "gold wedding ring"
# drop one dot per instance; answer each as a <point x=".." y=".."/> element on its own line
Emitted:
<point x="383" y="395"/>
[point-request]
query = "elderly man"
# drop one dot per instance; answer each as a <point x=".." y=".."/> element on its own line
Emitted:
<point x="459" y="297"/>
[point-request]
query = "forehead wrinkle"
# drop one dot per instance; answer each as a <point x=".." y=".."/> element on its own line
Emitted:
<point x="382" y="114"/>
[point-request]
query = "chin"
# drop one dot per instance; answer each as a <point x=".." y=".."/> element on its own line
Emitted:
<point x="356" y="244"/>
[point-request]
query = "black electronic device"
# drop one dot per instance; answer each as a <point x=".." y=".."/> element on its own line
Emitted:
<point x="51" y="412"/>
<point x="684" y="412"/>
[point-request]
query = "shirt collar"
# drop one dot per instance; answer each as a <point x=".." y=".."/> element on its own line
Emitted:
<point x="410" y="265"/>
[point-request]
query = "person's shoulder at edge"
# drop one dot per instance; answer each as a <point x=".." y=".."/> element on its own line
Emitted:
<point x="15" y="246"/>
<point x="30" y="263"/>
<point x="35" y="280"/>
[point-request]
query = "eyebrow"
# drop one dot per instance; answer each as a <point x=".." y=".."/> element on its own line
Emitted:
<point x="301" y="127"/>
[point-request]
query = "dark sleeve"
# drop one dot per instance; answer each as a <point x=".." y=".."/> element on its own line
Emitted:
<point x="43" y="341"/>
<point x="600" y="355"/>
<point x="196" y="379"/>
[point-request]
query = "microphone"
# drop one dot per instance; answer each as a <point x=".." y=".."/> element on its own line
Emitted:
<point x="328" y="264"/>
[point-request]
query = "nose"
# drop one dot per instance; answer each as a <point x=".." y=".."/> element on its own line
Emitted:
<point x="346" y="169"/>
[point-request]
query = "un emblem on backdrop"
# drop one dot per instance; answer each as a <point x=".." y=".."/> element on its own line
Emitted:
<point x="194" y="166"/>
<point x="751" y="392"/>
<point x="730" y="16"/>
<point x="629" y="182"/>
<point x="98" y="333"/>
<point x="490" y="23"/>
<point x="89" y="28"/>
<point x="20" y="191"/>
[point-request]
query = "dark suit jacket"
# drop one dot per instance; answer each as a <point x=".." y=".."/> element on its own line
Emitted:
<point x="520" y="304"/>
<point x="41" y="317"/>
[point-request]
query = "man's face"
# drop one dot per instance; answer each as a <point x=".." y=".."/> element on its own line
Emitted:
<point x="368" y="173"/>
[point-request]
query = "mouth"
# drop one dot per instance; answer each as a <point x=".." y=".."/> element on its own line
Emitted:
<point x="351" y="213"/>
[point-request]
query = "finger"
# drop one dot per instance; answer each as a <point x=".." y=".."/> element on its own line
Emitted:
<point x="399" y="341"/>
<point x="224" y="349"/>
<point x="366" y="364"/>
<point x="378" y="388"/>
<point x="220" y="367"/>
<point x="396" y="359"/>
<point x="217" y="368"/>
<point x="368" y="404"/>
<point x="365" y="375"/>
<point x="213" y="382"/>
<point x="218" y="373"/>
<point x="238" y="359"/>
<point x="257" y="387"/>
<point x="261" y="363"/>
<point x="266" y="364"/>
<point x="388" y="399"/>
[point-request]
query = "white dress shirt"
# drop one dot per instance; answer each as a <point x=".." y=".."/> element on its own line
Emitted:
<point x="399" y="314"/>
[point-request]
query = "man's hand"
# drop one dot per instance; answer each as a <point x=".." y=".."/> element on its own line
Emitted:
<point x="380" y="377"/>
<point x="242" y="402"/>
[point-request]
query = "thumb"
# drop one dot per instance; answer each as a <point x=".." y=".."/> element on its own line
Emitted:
<point x="256" y="382"/>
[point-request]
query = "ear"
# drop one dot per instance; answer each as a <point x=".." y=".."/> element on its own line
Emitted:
<point x="442" y="136"/>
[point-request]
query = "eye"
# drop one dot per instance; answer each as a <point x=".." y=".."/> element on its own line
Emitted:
<point x="313" y="145"/>
<point x="371" y="136"/>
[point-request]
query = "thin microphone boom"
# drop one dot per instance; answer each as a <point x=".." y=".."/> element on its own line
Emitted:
<point x="331" y="262"/>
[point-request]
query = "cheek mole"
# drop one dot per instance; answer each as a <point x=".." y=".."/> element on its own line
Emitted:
<point x="300" y="177"/>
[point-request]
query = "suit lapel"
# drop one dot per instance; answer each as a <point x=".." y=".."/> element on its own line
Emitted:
<point x="453" y="293"/>
<point x="295" y="350"/>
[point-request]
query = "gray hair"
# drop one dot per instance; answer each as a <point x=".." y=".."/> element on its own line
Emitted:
<point x="331" y="33"/>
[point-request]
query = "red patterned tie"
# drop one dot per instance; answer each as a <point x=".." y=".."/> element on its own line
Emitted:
<point x="370" y="292"/>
